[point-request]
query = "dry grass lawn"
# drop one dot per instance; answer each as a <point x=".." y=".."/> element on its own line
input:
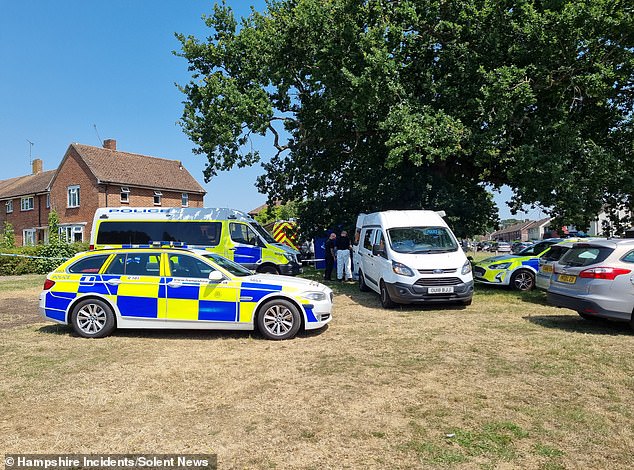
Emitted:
<point x="505" y="383"/>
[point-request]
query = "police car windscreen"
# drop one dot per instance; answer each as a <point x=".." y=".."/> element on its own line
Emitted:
<point x="201" y="233"/>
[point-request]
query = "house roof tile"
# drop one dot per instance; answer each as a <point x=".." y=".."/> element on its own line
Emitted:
<point x="132" y="169"/>
<point x="25" y="185"/>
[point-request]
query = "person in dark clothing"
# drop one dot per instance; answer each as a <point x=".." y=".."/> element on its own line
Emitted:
<point x="330" y="256"/>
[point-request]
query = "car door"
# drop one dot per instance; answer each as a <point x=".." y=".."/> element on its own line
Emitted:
<point x="191" y="296"/>
<point x="133" y="279"/>
<point x="366" y="258"/>
<point x="380" y="263"/>
<point x="245" y="244"/>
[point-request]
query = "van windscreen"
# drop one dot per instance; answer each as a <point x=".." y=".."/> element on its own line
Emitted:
<point x="201" y="233"/>
<point x="421" y="240"/>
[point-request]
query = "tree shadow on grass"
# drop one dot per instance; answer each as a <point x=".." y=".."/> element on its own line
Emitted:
<point x="576" y="324"/>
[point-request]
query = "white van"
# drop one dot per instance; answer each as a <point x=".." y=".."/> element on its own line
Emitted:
<point x="412" y="257"/>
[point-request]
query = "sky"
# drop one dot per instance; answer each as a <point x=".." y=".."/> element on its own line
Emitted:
<point x="89" y="70"/>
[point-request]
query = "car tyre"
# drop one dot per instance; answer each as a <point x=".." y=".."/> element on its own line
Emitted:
<point x="92" y="318"/>
<point x="523" y="280"/>
<point x="363" y="287"/>
<point x="386" y="300"/>
<point x="279" y="319"/>
<point x="468" y="302"/>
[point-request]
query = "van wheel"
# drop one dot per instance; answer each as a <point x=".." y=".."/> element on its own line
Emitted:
<point x="92" y="318"/>
<point x="523" y="280"/>
<point x="386" y="300"/>
<point x="279" y="319"/>
<point x="268" y="269"/>
<point x="363" y="287"/>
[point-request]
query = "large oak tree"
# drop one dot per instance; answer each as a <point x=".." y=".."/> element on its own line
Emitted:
<point x="377" y="104"/>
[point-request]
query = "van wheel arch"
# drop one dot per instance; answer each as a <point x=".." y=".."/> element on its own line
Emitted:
<point x="267" y="268"/>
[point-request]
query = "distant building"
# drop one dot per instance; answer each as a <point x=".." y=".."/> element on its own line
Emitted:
<point x="524" y="231"/>
<point x="86" y="179"/>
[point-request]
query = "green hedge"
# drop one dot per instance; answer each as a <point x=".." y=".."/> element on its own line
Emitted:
<point x="11" y="265"/>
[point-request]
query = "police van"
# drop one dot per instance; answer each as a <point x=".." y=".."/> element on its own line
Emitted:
<point x="227" y="232"/>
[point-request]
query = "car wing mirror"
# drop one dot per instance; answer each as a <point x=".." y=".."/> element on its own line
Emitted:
<point x="377" y="250"/>
<point x="216" y="276"/>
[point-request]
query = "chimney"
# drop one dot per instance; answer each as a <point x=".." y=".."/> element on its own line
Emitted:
<point x="37" y="166"/>
<point x="110" y="144"/>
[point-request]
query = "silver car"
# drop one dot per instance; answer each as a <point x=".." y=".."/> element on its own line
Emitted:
<point x="596" y="279"/>
<point x="548" y="260"/>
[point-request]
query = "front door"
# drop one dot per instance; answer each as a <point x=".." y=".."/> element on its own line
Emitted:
<point x="191" y="296"/>
<point x="246" y="245"/>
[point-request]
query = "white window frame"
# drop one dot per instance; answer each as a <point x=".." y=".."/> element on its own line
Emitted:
<point x="158" y="197"/>
<point x="28" y="237"/>
<point x="48" y="200"/>
<point x="125" y="190"/>
<point x="27" y="203"/>
<point x="72" y="197"/>
<point x="185" y="200"/>
<point x="67" y="233"/>
<point x="9" y="206"/>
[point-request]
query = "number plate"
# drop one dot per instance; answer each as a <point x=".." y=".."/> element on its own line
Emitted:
<point x="440" y="290"/>
<point x="547" y="268"/>
<point x="567" y="279"/>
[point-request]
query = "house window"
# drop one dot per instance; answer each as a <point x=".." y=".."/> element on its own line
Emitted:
<point x="73" y="196"/>
<point x="185" y="200"/>
<point x="125" y="194"/>
<point x="48" y="200"/>
<point x="9" y="206"/>
<point x="28" y="237"/>
<point x="157" y="198"/>
<point x="71" y="233"/>
<point x="26" y="204"/>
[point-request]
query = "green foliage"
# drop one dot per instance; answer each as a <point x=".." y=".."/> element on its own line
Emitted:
<point x="53" y="255"/>
<point x="8" y="236"/>
<point x="401" y="105"/>
<point x="283" y="212"/>
<point x="53" y="227"/>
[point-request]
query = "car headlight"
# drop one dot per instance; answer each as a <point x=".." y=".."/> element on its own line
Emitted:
<point x="500" y="266"/>
<point x="466" y="268"/>
<point x="314" y="296"/>
<point x="400" y="268"/>
<point x="290" y="257"/>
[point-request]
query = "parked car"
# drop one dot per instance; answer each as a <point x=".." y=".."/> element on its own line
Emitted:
<point x="517" y="271"/>
<point x="98" y="291"/>
<point x="596" y="279"/>
<point x="547" y="261"/>
<point x="519" y="246"/>
<point x="503" y="247"/>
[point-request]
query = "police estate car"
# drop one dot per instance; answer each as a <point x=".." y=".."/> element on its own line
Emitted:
<point x="98" y="291"/>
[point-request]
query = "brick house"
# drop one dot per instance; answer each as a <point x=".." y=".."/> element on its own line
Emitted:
<point x="86" y="179"/>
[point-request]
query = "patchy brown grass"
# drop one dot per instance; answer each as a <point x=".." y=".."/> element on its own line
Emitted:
<point x="505" y="383"/>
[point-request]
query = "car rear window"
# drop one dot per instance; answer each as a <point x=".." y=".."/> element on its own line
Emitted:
<point x="90" y="265"/>
<point x="585" y="255"/>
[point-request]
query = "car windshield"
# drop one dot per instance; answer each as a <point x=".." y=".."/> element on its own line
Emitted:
<point x="233" y="268"/>
<point x="422" y="240"/>
<point x="263" y="233"/>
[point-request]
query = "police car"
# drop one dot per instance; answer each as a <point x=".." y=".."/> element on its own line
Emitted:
<point x="167" y="287"/>
<point x="517" y="271"/>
